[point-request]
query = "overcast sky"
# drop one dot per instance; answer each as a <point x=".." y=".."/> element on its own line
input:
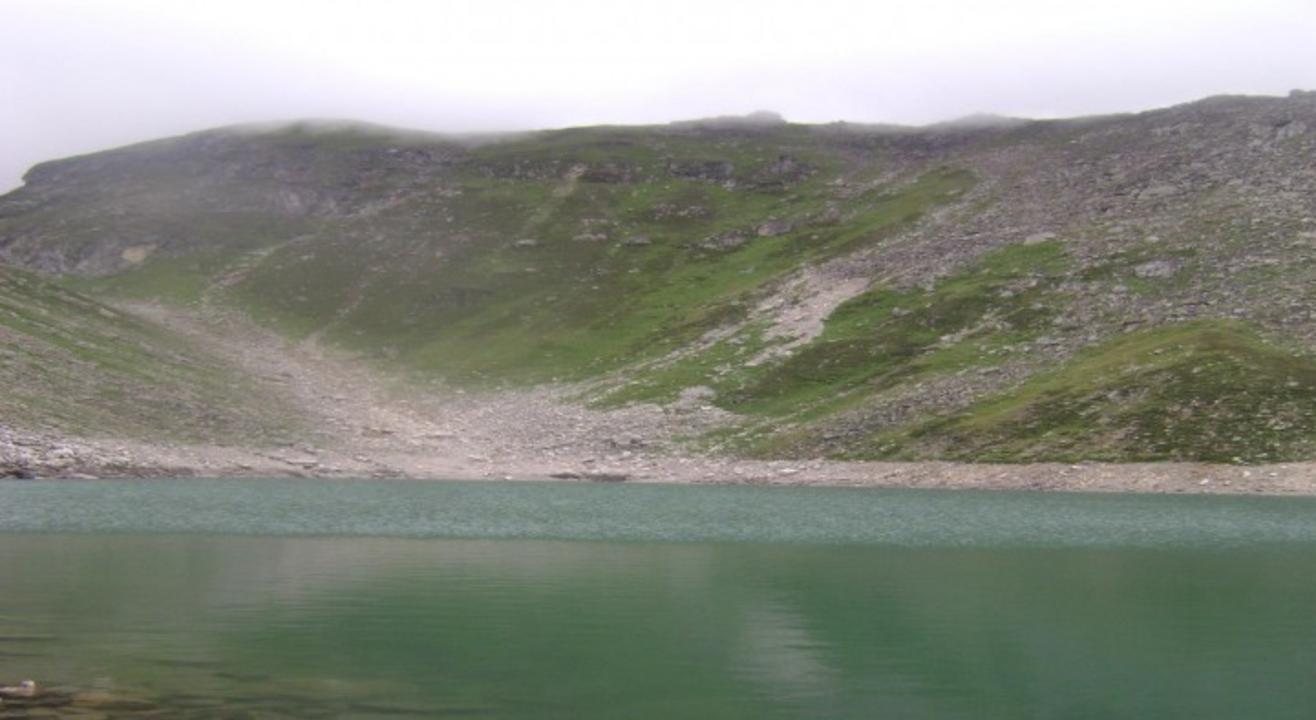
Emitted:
<point x="81" y="75"/>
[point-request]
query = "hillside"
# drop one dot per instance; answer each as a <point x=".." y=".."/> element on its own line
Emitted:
<point x="1124" y="288"/>
<point x="73" y="367"/>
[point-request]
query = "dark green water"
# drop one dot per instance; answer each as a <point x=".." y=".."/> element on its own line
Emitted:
<point x="265" y="599"/>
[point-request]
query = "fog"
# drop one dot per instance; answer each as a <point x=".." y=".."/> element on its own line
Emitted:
<point x="82" y="75"/>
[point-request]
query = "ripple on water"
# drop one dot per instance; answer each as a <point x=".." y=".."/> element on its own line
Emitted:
<point x="650" y="513"/>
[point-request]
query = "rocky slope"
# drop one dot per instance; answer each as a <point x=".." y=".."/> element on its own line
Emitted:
<point x="1126" y="288"/>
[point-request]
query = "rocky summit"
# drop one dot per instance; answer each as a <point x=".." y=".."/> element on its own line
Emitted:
<point x="335" y="297"/>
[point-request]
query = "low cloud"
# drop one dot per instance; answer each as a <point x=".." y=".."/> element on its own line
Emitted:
<point x="81" y="75"/>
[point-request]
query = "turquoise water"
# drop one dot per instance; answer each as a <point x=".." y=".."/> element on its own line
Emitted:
<point x="265" y="599"/>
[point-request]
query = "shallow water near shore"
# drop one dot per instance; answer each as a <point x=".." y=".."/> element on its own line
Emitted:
<point x="363" y="599"/>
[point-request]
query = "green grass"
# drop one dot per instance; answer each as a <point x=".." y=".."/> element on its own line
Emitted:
<point x="885" y="337"/>
<point x="170" y="280"/>
<point x="1207" y="391"/>
<point x="72" y="364"/>
<point x="444" y="287"/>
<point x="711" y="366"/>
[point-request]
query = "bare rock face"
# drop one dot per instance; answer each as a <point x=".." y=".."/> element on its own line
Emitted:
<point x="1289" y="130"/>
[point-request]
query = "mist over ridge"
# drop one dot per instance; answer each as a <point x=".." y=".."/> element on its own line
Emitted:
<point x="85" y="75"/>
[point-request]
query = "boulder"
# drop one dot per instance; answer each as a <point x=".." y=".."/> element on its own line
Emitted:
<point x="1154" y="269"/>
<point x="772" y="228"/>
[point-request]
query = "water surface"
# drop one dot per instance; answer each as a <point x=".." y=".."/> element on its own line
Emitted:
<point x="213" y="599"/>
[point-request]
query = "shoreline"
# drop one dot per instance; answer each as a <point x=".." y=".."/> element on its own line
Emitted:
<point x="92" y="459"/>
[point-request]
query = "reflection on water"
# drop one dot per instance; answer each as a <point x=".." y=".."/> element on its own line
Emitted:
<point x="778" y="653"/>
<point x="229" y="626"/>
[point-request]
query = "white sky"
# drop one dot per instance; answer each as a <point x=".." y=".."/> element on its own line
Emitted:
<point x="81" y="75"/>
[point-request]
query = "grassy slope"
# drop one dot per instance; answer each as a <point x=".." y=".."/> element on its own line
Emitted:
<point x="490" y="309"/>
<point x="69" y="363"/>
<point x="623" y="265"/>
<point x="634" y="303"/>
<point x="880" y="339"/>
<point x="1207" y="390"/>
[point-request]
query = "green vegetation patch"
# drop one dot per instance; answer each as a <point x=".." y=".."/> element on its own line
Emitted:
<point x="169" y="280"/>
<point x="527" y="280"/>
<point x="885" y="337"/>
<point x="1212" y="391"/>
<point x="71" y="364"/>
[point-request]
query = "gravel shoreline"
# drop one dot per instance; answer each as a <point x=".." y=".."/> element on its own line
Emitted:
<point x="31" y="457"/>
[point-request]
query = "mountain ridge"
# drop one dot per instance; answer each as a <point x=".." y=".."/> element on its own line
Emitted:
<point x="833" y="290"/>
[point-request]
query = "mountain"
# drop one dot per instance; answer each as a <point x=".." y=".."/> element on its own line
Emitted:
<point x="1125" y="288"/>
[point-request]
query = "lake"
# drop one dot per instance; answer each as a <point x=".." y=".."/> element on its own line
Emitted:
<point x="393" y="599"/>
